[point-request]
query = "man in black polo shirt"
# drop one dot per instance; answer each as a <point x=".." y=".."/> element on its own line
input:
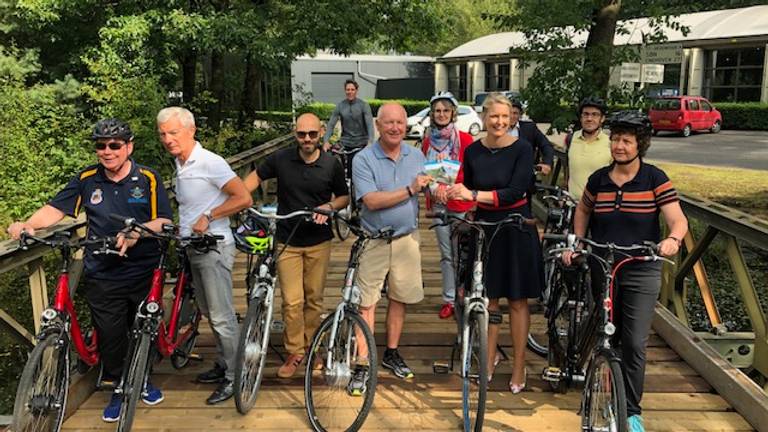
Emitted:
<point x="114" y="285"/>
<point x="306" y="178"/>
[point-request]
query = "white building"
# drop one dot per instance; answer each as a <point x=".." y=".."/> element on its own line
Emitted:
<point x="723" y="58"/>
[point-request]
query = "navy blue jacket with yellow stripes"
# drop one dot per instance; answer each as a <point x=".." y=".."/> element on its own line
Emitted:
<point x="140" y="195"/>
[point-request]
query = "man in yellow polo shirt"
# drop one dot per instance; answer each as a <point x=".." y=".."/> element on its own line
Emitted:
<point x="589" y="149"/>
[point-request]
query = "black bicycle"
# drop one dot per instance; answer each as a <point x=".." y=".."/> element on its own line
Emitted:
<point x="345" y="155"/>
<point x="580" y="331"/>
<point x="472" y="314"/>
<point x="561" y="207"/>
<point x="343" y="347"/>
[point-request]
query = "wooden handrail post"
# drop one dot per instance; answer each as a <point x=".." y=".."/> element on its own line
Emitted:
<point x="38" y="290"/>
<point x="751" y="303"/>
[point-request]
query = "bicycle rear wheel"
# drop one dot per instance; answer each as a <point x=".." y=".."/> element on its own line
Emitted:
<point x="474" y="368"/>
<point x="604" y="402"/>
<point x="342" y="229"/>
<point x="41" y="397"/>
<point x="189" y="319"/>
<point x="133" y="383"/>
<point x="330" y="400"/>
<point x="252" y="354"/>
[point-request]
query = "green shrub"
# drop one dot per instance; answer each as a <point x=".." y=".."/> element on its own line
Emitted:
<point x="744" y="116"/>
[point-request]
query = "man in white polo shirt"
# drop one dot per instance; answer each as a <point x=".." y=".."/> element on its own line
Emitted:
<point x="208" y="192"/>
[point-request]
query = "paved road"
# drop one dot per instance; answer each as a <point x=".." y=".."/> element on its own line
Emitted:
<point x="742" y="149"/>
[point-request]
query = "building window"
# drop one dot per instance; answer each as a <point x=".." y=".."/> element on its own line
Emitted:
<point x="497" y="76"/>
<point x="734" y="75"/>
<point x="457" y="80"/>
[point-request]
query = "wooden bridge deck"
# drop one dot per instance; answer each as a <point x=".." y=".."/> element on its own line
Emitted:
<point x="676" y="398"/>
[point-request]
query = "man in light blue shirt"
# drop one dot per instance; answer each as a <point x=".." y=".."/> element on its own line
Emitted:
<point x="388" y="176"/>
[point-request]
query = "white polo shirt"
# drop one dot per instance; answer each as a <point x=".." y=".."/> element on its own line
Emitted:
<point x="198" y="189"/>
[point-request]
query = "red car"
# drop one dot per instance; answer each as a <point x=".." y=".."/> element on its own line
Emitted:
<point x="684" y="114"/>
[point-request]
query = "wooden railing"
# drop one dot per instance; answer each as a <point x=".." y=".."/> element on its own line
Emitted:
<point x="13" y="259"/>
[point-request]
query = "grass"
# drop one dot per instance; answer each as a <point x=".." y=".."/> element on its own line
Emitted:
<point x="742" y="189"/>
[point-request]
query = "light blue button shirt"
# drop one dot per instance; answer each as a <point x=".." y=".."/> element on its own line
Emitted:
<point x="373" y="171"/>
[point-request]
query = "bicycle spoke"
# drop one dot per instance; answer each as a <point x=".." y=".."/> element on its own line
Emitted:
<point x="332" y="403"/>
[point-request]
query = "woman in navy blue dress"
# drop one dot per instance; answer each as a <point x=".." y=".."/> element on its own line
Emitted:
<point x="497" y="174"/>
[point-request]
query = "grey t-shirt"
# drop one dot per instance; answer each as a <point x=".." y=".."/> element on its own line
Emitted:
<point x="356" y="123"/>
<point x="373" y="171"/>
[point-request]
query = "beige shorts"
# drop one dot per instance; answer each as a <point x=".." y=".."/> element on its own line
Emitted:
<point x="401" y="259"/>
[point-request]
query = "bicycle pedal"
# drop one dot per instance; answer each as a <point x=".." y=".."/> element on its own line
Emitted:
<point x="440" y="368"/>
<point x="552" y="374"/>
<point x="277" y="326"/>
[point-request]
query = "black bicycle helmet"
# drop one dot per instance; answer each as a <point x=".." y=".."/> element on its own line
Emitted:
<point x="252" y="236"/>
<point x="594" y="102"/>
<point x="112" y="128"/>
<point x="634" y="122"/>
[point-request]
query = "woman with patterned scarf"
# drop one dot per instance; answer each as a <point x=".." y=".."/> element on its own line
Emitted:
<point x="444" y="141"/>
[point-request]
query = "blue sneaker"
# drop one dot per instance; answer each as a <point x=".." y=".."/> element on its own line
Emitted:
<point x="635" y="424"/>
<point x="151" y="395"/>
<point x="112" y="411"/>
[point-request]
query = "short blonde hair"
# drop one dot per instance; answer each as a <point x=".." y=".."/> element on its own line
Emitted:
<point x="496" y="98"/>
<point x="185" y="116"/>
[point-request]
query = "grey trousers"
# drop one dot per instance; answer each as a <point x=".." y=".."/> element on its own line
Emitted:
<point x="443" y="234"/>
<point x="638" y="289"/>
<point x="212" y="281"/>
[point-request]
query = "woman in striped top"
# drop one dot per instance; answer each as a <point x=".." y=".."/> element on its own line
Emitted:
<point x="621" y="204"/>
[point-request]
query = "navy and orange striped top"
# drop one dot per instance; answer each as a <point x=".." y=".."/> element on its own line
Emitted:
<point x="628" y="214"/>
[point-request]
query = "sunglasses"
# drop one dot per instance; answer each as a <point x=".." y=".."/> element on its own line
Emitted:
<point x="112" y="145"/>
<point x="303" y="134"/>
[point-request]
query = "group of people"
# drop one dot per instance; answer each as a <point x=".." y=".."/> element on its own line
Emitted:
<point x="621" y="198"/>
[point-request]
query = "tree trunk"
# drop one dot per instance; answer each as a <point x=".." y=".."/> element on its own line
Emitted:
<point x="217" y="90"/>
<point x="251" y="100"/>
<point x="599" y="49"/>
<point x="189" y="76"/>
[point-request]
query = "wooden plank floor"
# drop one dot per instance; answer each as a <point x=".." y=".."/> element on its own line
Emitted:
<point x="676" y="398"/>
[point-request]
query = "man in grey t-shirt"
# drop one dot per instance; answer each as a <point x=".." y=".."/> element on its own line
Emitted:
<point x="356" y="120"/>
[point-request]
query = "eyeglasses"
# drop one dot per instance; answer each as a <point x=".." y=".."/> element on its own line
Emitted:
<point x="312" y="134"/>
<point x="113" y="145"/>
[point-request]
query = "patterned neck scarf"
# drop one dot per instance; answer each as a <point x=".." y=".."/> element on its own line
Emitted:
<point x="444" y="141"/>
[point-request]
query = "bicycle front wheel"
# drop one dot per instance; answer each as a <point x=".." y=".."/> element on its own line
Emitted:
<point x="334" y="400"/>
<point x="133" y="383"/>
<point x="41" y="397"/>
<point x="474" y="373"/>
<point x="189" y="320"/>
<point x="604" y="402"/>
<point x="252" y="354"/>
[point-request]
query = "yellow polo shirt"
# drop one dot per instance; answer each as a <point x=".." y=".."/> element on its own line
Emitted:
<point x="584" y="158"/>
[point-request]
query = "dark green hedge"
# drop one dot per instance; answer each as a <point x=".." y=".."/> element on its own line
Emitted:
<point x="744" y="116"/>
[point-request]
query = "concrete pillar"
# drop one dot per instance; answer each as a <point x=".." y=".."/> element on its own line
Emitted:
<point x="696" y="73"/>
<point x="684" y="66"/>
<point x="476" y="81"/>
<point x="764" y="93"/>
<point x="441" y="77"/>
<point x="515" y="75"/>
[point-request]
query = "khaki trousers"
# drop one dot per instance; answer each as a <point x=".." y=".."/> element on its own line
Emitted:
<point x="301" y="272"/>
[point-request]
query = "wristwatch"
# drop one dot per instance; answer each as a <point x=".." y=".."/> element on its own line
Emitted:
<point x="474" y="195"/>
<point x="208" y="215"/>
<point x="679" y="241"/>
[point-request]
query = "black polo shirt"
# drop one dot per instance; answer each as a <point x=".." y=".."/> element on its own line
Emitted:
<point x="628" y="214"/>
<point x="140" y="195"/>
<point x="300" y="186"/>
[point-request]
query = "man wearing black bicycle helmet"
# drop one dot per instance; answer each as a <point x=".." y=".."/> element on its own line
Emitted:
<point x="114" y="285"/>
<point x="589" y="148"/>
<point x="621" y="204"/>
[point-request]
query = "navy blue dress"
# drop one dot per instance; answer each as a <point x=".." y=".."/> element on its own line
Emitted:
<point x="513" y="267"/>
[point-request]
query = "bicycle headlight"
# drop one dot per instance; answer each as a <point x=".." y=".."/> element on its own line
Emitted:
<point x="49" y="314"/>
<point x="153" y="307"/>
<point x="609" y="329"/>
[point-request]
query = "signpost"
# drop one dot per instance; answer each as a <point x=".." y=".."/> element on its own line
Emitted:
<point x="637" y="72"/>
<point x="662" y="53"/>
<point x="630" y="72"/>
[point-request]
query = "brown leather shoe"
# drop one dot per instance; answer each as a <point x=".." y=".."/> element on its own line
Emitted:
<point x="288" y="369"/>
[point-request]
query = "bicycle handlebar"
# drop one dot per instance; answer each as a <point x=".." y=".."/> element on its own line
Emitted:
<point x="344" y="151"/>
<point x="558" y="193"/>
<point x="648" y="248"/>
<point x="62" y="240"/>
<point x="354" y="225"/>
<point x="281" y="217"/>
<point x="514" y="218"/>
<point x="203" y="241"/>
